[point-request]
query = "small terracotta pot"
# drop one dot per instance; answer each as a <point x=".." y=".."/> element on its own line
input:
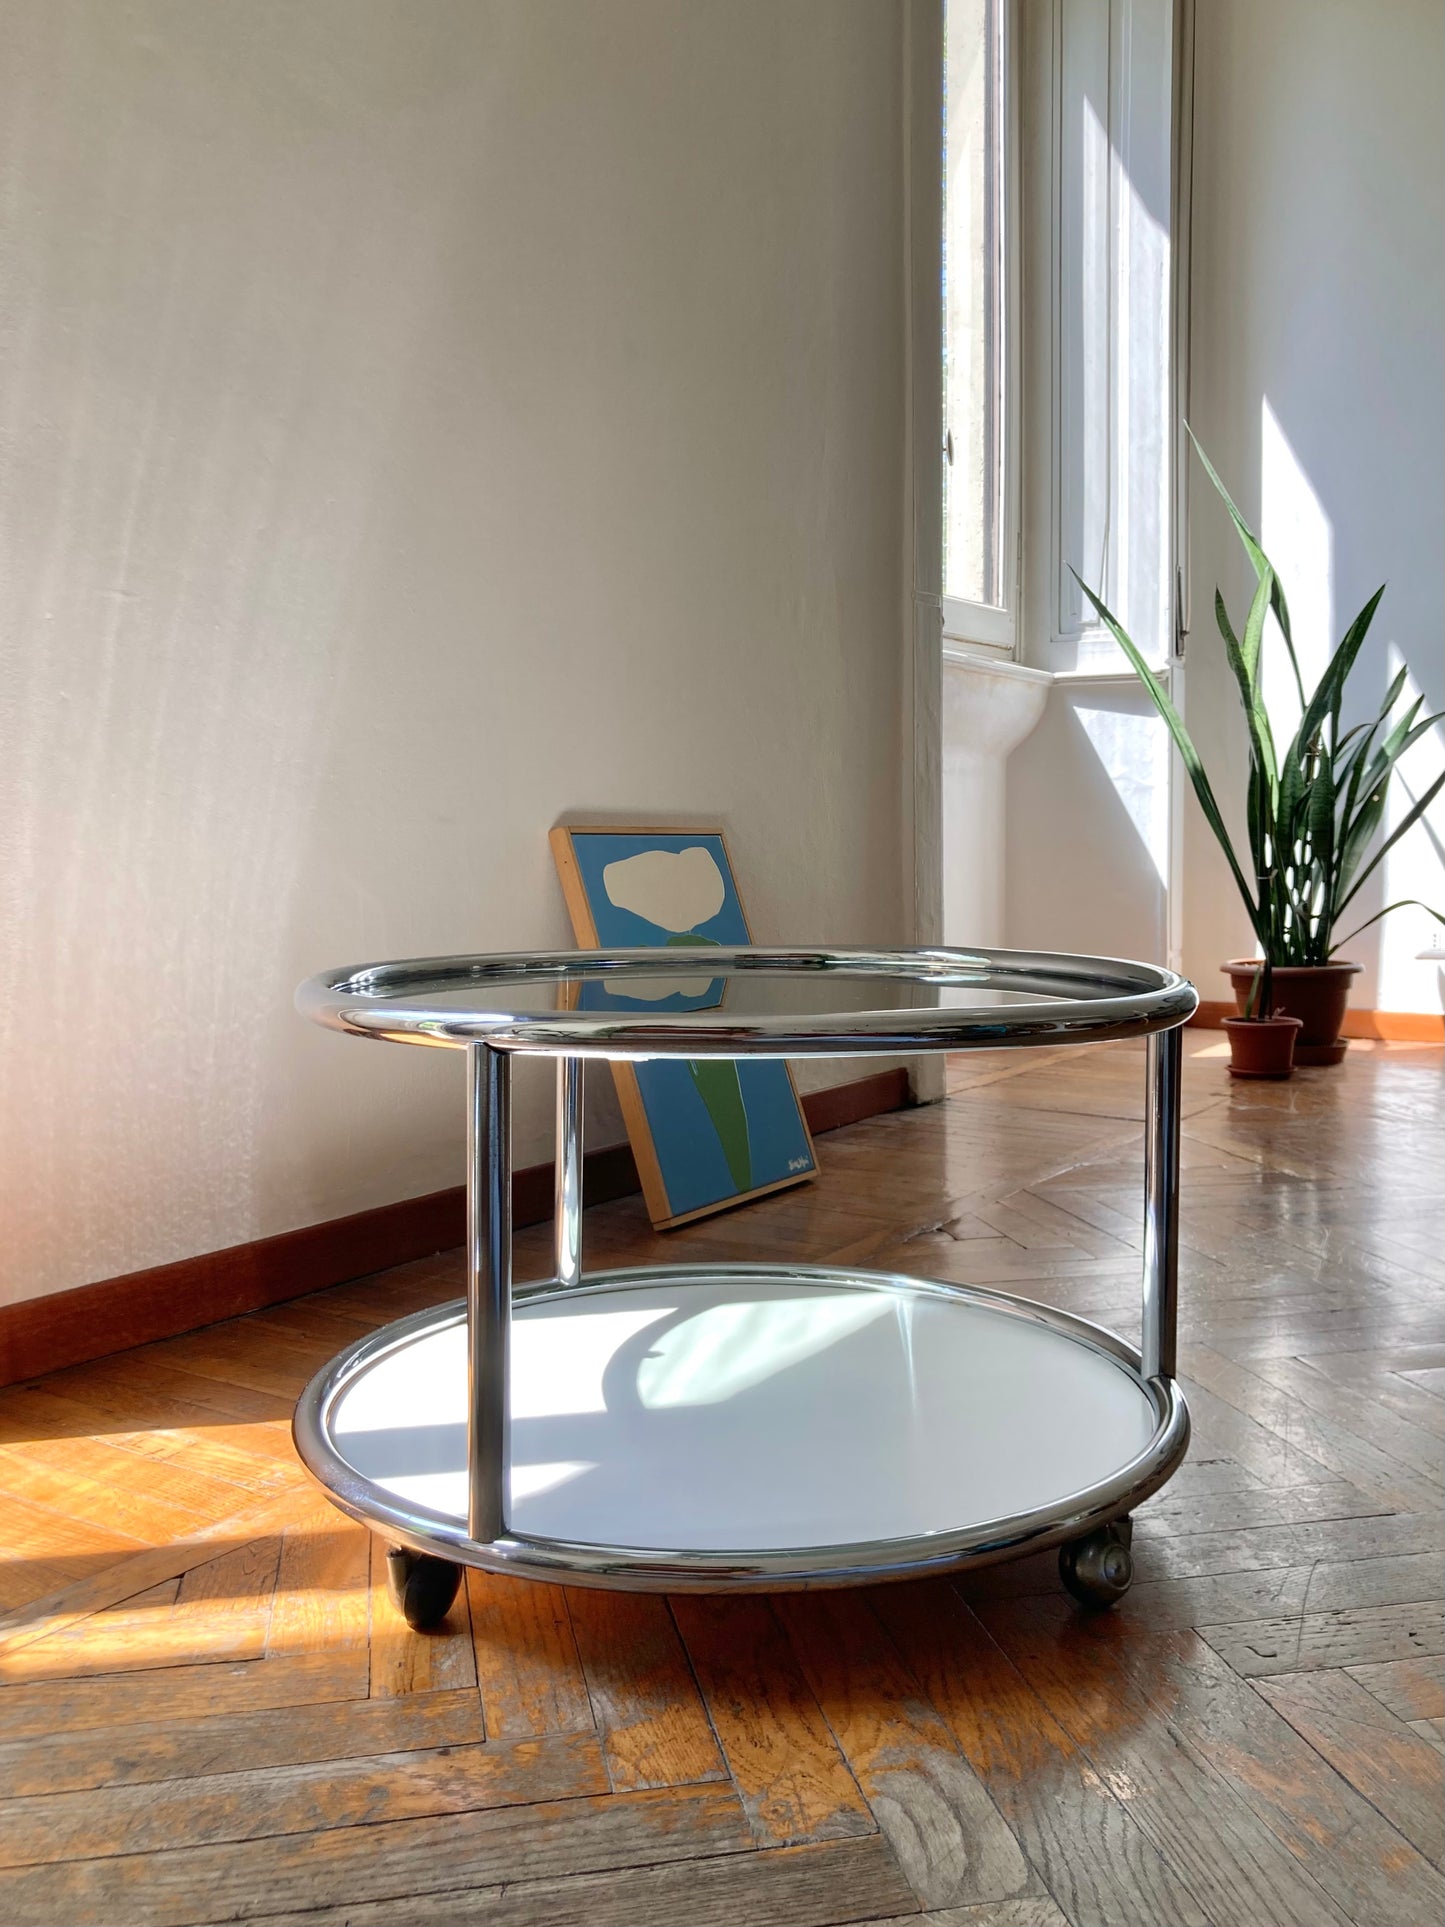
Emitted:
<point x="1262" y="1046"/>
<point x="1315" y="993"/>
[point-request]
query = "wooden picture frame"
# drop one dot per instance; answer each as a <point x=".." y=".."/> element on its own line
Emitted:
<point x="710" y="1135"/>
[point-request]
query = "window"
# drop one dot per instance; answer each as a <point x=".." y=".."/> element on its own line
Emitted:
<point x="1107" y="139"/>
<point x="979" y="519"/>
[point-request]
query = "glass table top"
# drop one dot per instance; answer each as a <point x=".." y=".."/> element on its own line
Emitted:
<point x="693" y="1000"/>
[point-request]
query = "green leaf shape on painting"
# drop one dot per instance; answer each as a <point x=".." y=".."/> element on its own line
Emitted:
<point x="716" y="1081"/>
<point x="717" y="1084"/>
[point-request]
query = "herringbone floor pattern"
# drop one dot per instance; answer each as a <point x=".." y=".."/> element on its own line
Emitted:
<point x="209" y="1711"/>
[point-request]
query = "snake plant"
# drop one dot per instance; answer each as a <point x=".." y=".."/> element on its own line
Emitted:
<point x="1312" y="809"/>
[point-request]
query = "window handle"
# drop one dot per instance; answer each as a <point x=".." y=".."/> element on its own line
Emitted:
<point x="948" y="448"/>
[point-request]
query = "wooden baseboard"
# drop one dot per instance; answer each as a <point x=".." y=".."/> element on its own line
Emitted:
<point x="851" y="1103"/>
<point x="70" y="1327"/>
<point x="1394" y="1026"/>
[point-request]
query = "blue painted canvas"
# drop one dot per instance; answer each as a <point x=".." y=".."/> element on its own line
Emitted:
<point x="719" y="1129"/>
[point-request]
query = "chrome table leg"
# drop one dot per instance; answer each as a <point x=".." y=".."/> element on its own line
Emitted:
<point x="489" y="1286"/>
<point x="1161" y="1205"/>
<point x="568" y="1213"/>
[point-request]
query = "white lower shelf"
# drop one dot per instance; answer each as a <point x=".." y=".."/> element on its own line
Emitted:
<point x="749" y="1411"/>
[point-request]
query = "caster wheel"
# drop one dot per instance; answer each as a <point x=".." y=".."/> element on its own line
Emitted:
<point x="1098" y="1568"/>
<point x="422" y="1588"/>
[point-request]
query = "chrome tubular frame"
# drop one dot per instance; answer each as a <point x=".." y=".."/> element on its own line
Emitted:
<point x="1097" y="998"/>
<point x="489" y="1286"/>
<point x="1161" y="1205"/>
<point x="1086" y="1000"/>
<point x="568" y="1209"/>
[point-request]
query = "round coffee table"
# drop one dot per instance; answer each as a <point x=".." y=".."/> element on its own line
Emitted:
<point x="726" y="1427"/>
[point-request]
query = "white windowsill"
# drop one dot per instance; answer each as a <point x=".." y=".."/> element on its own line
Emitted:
<point x="1096" y="675"/>
<point x="978" y="662"/>
<point x="985" y="662"/>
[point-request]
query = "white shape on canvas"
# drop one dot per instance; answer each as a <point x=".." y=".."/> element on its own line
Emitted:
<point x="675" y="889"/>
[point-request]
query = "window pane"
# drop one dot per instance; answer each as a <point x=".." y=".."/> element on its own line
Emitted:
<point x="973" y="301"/>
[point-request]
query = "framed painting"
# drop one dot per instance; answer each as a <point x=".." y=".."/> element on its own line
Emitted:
<point x="708" y="1134"/>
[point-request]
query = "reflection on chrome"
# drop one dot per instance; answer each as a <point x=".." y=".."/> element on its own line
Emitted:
<point x="729" y="1348"/>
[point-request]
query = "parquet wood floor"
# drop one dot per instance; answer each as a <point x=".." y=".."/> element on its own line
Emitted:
<point x="209" y="1710"/>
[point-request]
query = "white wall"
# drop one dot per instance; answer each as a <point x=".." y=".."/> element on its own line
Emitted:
<point x="417" y="422"/>
<point x="989" y="707"/>
<point x="1087" y="844"/>
<point x="1319" y="390"/>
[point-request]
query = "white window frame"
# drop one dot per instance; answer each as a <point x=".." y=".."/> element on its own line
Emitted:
<point x="1096" y="38"/>
<point x="980" y="628"/>
<point x="1066" y="41"/>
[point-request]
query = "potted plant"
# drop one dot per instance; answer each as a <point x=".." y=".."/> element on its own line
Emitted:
<point x="1312" y="812"/>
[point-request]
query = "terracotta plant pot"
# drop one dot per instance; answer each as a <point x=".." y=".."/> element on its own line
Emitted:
<point x="1315" y="993"/>
<point x="1261" y="1046"/>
